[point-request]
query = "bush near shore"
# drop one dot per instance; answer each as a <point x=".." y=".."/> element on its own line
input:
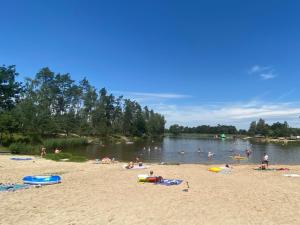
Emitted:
<point x="26" y="148"/>
<point x="65" y="156"/>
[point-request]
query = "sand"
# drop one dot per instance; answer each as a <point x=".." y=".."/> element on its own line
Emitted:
<point x="108" y="194"/>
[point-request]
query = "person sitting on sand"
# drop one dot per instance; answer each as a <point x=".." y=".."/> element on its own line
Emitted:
<point x="265" y="160"/>
<point x="56" y="151"/>
<point x="106" y="160"/>
<point x="130" y="165"/>
<point x="263" y="166"/>
<point x="43" y="151"/>
<point x="151" y="173"/>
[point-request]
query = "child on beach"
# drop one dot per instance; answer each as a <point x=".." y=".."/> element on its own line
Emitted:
<point x="265" y="160"/>
<point x="43" y="151"/>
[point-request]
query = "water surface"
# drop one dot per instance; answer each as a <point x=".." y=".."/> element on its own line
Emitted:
<point x="191" y="150"/>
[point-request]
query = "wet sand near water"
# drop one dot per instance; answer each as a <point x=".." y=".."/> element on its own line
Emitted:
<point x="108" y="194"/>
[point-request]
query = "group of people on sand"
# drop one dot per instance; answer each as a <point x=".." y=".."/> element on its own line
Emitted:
<point x="131" y="164"/>
<point x="43" y="151"/>
<point x="107" y="160"/>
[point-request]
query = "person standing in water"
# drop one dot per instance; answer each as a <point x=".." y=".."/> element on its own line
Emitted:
<point x="248" y="153"/>
<point x="210" y="155"/>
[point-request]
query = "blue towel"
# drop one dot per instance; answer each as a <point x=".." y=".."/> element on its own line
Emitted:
<point x="13" y="187"/>
<point x="20" y="158"/>
<point x="169" y="182"/>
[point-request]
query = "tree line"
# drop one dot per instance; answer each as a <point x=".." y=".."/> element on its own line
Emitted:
<point x="52" y="103"/>
<point x="259" y="127"/>
<point x="277" y="129"/>
<point x="203" y="129"/>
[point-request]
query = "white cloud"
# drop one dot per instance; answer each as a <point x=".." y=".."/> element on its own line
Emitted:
<point x="157" y="95"/>
<point x="259" y="69"/>
<point x="267" y="76"/>
<point x="143" y="97"/>
<point x="238" y="114"/>
<point x="264" y="72"/>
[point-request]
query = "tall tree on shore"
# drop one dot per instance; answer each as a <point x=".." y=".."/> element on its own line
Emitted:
<point x="10" y="89"/>
<point x="252" y="128"/>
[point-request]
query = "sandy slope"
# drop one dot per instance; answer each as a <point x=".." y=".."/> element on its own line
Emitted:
<point x="107" y="194"/>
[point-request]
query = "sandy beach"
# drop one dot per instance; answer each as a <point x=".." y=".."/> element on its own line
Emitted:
<point x="108" y="194"/>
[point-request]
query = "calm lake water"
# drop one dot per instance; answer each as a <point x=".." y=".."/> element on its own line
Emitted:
<point x="195" y="151"/>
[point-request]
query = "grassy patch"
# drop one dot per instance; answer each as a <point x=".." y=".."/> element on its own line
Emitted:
<point x="21" y="148"/>
<point x="69" y="156"/>
<point x="64" y="142"/>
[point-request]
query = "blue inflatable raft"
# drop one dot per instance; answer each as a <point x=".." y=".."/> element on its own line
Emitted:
<point x="15" y="158"/>
<point x="42" y="180"/>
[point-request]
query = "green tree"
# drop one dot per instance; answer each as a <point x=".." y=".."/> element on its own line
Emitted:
<point x="252" y="128"/>
<point x="175" y="129"/>
<point x="10" y="90"/>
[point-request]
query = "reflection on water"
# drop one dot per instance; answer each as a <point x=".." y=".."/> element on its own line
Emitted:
<point x="185" y="150"/>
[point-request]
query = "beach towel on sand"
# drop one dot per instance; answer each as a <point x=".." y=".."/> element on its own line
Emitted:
<point x="291" y="175"/>
<point x="169" y="182"/>
<point x="13" y="187"/>
<point x="20" y="159"/>
<point x="136" y="167"/>
<point x="272" y="169"/>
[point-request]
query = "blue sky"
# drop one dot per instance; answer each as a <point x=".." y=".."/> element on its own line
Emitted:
<point x="197" y="62"/>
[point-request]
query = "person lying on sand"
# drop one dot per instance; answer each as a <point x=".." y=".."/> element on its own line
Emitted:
<point x="130" y="165"/>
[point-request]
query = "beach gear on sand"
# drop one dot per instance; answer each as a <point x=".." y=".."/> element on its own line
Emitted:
<point x="150" y="179"/>
<point x="291" y="175"/>
<point x="238" y="157"/>
<point x="135" y="167"/>
<point x="215" y="169"/>
<point x="158" y="180"/>
<point x="266" y="169"/>
<point x="20" y="158"/>
<point x="142" y="177"/>
<point x="220" y="169"/>
<point x="272" y="169"/>
<point x="13" y="187"/>
<point x="43" y="180"/>
<point x="169" y="182"/>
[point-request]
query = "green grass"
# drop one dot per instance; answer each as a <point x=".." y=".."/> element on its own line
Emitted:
<point x="69" y="156"/>
<point x="21" y="148"/>
<point x="64" y="142"/>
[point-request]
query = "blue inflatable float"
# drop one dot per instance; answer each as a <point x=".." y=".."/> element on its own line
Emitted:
<point x="14" y="158"/>
<point x="42" y="180"/>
